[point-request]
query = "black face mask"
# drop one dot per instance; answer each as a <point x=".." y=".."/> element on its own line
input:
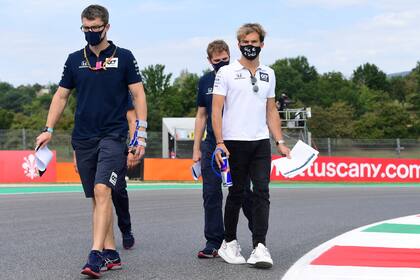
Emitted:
<point x="250" y="52"/>
<point x="94" y="38"/>
<point x="219" y="65"/>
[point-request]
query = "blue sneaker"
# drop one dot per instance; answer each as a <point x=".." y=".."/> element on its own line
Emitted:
<point x="94" y="264"/>
<point x="208" y="253"/>
<point x="128" y="240"/>
<point x="112" y="260"/>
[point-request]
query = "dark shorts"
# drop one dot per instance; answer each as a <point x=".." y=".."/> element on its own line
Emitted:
<point x="101" y="161"/>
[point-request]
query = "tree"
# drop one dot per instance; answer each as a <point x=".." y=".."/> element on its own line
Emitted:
<point x="413" y="84"/>
<point x="166" y="100"/>
<point x="6" y="119"/>
<point x="369" y="99"/>
<point x="186" y="85"/>
<point x="330" y="88"/>
<point x="5" y="87"/>
<point x="155" y="80"/>
<point x="159" y="92"/>
<point x="292" y="74"/>
<point x="335" y="121"/>
<point x="398" y="89"/>
<point x="15" y="98"/>
<point x="370" y="76"/>
<point x="386" y="120"/>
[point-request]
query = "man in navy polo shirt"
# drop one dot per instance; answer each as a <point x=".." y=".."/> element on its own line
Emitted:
<point x="103" y="75"/>
<point x="218" y="55"/>
<point x="120" y="199"/>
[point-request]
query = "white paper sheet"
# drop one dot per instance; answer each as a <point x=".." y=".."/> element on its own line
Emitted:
<point x="196" y="170"/>
<point x="42" y="158"/>
<point x="302" y="157"/>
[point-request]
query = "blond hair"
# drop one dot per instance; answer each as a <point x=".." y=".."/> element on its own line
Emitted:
<point x="249" y="28"/>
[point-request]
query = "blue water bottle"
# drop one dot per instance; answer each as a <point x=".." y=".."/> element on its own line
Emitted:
<point x="225" y="172"/>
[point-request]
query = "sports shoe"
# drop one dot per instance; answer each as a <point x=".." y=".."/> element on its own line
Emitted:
<point x="112" y="260"/>
<point x="128" y="240"/>
<point x="94" y="264"/>
<point x="230" y="252"/>
<point x="207" y="254"/>
<point x="260" y="257"/>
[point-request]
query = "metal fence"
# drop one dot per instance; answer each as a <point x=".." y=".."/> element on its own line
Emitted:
<point x="371" y="148"/>
<point x="24" y="139"/>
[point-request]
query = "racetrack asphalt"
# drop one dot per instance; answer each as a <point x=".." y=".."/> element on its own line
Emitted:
<point x="48" y="236"/>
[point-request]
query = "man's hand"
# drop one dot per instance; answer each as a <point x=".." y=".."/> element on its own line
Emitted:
<point x="218" y="156"/>
<point x="131" y="162"/>
<point x="75" y="162"/>
<point x="196" y="155"/>
<point x="137" y="145"/>
<point x="42" y="140"/>
<point x="137" y="152"/>
<point x="140" y="150"/>
<point x="283" y="150"/>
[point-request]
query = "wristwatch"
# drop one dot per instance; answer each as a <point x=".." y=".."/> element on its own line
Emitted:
<point x="48" y="129"/>
<point x="280" y="142"/>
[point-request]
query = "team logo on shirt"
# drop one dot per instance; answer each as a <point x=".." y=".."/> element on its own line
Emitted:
<point x="83" y="64"/>
<point x="112" y="63"/>
<point x="239" y="76"/>
<point x="210" y="90"/>
<point x="113" y="178"/>
<point x="217" y="81"/>
<point x="264" y="77"/>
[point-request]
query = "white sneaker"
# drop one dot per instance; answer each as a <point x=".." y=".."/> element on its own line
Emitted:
<point x="260" y="257"/>
<point x="230" y="252"/>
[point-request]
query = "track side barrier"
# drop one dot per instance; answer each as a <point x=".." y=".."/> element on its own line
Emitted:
<point x="349" y="169"/>
<point x="19" y="167"/>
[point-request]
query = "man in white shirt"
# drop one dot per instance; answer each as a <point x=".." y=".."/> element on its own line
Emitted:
<point x="245" y="92"/>
<point x="218" y="56"/>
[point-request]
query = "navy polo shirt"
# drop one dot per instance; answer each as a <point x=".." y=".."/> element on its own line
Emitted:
<point x="102" y="95"/>
<point x="204" y="99"/>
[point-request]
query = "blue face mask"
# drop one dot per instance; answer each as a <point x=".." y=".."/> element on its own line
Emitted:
<point x="94" y="38"/>
<point x="219" y="65"/>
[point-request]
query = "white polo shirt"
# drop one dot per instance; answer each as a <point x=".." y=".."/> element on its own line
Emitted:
<point x="244" y="111"/>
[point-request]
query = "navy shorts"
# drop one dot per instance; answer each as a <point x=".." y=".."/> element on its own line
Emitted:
<point x="101" y="161"/>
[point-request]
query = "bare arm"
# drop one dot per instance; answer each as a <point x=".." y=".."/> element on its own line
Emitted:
<point x="274" y="125"/>
<point x="140" y="106"/>
<point x="139" y="100"/>
<point x="200" y="124"/>
<point x="216" y="115"/>
<point x="131" y="119"/>
<point x="75" y="162"/>
<point x="58" y="103"/>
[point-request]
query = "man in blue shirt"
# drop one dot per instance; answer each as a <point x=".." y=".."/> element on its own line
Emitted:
<point x="103" y="75"/>
<point x="218" y="56"/>
<point x="120" y="199"/>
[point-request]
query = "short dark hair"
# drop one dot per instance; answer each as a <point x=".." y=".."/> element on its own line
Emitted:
<point x="96" y="11"/>
<point x="217" y="47"/>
